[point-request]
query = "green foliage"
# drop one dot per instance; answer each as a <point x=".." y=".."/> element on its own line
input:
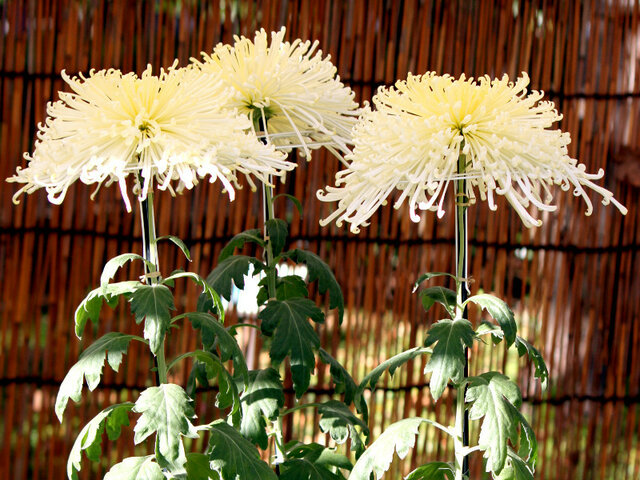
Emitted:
<point x="238" y="241"/>
<point x="293" y="199"/>
<point x="233" y="456"/>
<point x="166" y="410"/>
<point x="313" y="462"/>
<point x="293" y="336"/>
<point x="341" y="423"/>
<point x="111" y="346"/>
<point x="342" y="380"/>
<point x="263" y="398"/>
<point x="135" y="468"/>
<point x="448" y="358"/>
<point x="152" y="303"/>
<point x="447" y="298"/>
<point x="432" y="471"/>
<point x="496" y="398"/>
<point x="277" y="230"/>
<point x="90" y="307"/>
<point x="429" y="275"/>
<point x="230" y="271"/>
<point x="320" y="271"/>
<point x="210" y="295"/>
<point x="541" y="371"/>
<point x="113" y="265"/>
<point x="398" y="437"/>
<point x="90" y="438"/>
<point x="215" y="335"/>
<point x="501" y="312"/>
<point x="178" y="243"/>
<point x="515" y="468"/>
<point x="199" y="468"/>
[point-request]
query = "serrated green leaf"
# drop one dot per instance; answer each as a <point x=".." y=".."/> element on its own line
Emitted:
<point x="231" y="271"/>
<point x="515" y="468"/>
<point x="234" y="457"/>
<point x="293" y="199"/>
<point x="500" y="311"/>
<point x="291" y="286"/>
<point x="214" y="334"/>
<point x="248" y="236"/>
<point x="428" y="276"/>
<point x="135" y="468"/>
<point x="207" y="291"/>
<point x="303" y="469"/>
<point x="535" y="356"/>
<point x="113" y="265"/>
<point x="340" y="422"/>
<point x="398" y="437"/>
<point x="90" y="438"/>
<point x="262" y="399"/>
<point x="167" y="411"/>
<point x="444" y="296"/>
<point x="313" y="461"/>
<point x="178" y="243"/>
<point x="342" y="380"/>
<point x="320" y="271"/>
<point x="89" y="308"/>
<point x="432" y="471"/>
<point x="448" y="358"/>
<point x="293" y="336"/>
<point x="390" y="365"/>
<point x="111" y="346"/>
<point x="277" y="230"/>
<point x="152" y="303"/>
<point x="495" y="398"/>
<point x="198" y="467"/>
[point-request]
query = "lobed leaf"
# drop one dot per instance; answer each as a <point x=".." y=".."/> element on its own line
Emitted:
<point x="277" y="230"/>
<point x="263" y="398"/>
<point x="113" y="265"/>
<point x="536" y="358"/>
<point x="89" y="308"/>
<point x="238" y="241"/>
<point x="500" y="311"/>
<point x="211" y="296"/>
<point x="135" y="468"/>
<point x="199" y="468"/>
<point x="231" y="271"/>
<point x="342" y="380"/>
<point x="444" y="296"/>
<point x="152" y="303"/>
<point x="341" y="423"/>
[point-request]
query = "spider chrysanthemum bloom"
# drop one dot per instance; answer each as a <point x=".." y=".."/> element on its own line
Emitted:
<point x="162" y="129"/>
<point x="413" y="141"/>
<point x="290" y="87"/>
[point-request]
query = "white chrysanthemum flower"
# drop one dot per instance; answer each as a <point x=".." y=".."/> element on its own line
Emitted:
<point x="289" y="86"/>
<point x="161" y="129"/>
<point x="412" y="143"/>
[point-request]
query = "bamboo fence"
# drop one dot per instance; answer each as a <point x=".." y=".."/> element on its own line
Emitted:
<point x="572" y="282"/>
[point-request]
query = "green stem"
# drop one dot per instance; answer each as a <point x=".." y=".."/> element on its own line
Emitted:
<point x="462" y="415"/>
<point x="150" y="249"/>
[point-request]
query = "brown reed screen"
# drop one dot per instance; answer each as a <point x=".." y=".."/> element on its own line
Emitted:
<point x="572" y="282"/>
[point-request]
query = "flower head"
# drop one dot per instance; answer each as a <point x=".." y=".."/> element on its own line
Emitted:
<point x="290" y="87"/>
<point x="162" y="129"/>
<point x="413" y="141"/>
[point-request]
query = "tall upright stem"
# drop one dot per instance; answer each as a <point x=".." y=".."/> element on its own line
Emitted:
<point x="462" y="415"/>
<point x="150" y="249"/>
<point x="267" y="207"/>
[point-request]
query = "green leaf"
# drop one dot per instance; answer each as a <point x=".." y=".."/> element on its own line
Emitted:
<point x="113" y="265"/>
<point x="428" y="276"/>
<point x="262" y="399"/>
<point x="515" y="468"/>
<point x="447" y="298"/>
<point x="496" y="398"/>
<point x="303" y="469"/>
<point x="293" y="199"/>
<point x="448" y="358"/>
<point x="318" y="454"/>
<point x="234" y="457"/>
<point x="230" y="271"/>
<point x="135" y="468"/>
<point x="290" y="286"/>
<point x="211" y="296"/>
<point x="90" y="438"/>
<point x="432" y="471"/>
<point x="198" y="467"/>
<point x="318" y="270"/>
<point x="293" y="337"/>
<point x="111" y="346"/>
<point x="343" y="381"/>
<point x="398" y="437"/>
<point x="152" y="303"/>
<point x="277" y="230"/>
<point x="90" y="307"/>
<point x="177" y="242"/>
<point x="340" y="422"/>
<point x="167" y="411"/>
<point x="535" y="356"/>
<point x="214" y="334"/>
<point x="500" y="311"/>
<point x="248" y="236"/>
